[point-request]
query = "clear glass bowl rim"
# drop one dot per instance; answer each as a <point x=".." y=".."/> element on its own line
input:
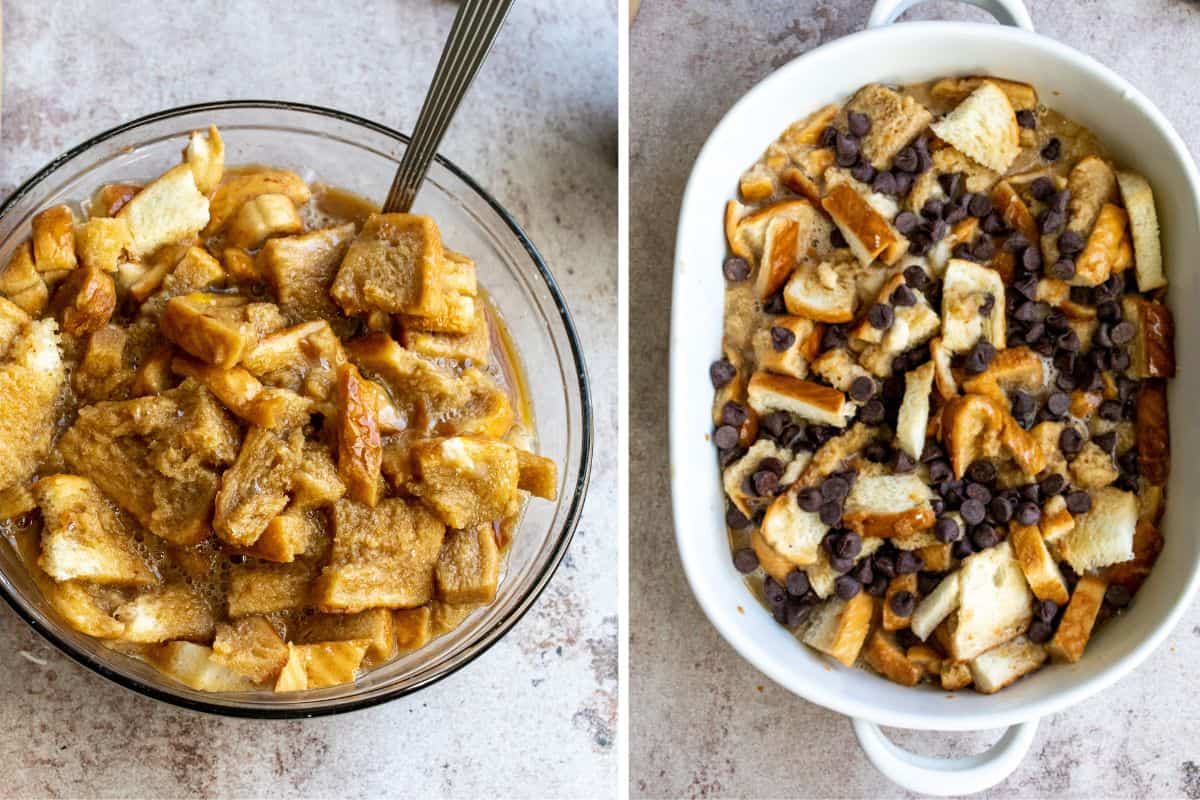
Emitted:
<point x="565" y="535"/>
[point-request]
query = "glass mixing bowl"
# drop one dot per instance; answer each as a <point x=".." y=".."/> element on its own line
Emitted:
<point x="351" y="153"/>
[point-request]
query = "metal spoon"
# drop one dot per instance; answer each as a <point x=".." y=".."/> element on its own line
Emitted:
<point x="475" y="28"/>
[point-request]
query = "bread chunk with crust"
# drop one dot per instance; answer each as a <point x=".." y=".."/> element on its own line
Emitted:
<point x="240" y="187"/>
<point x="54" y="239"/>
<point x="32" y="376"/>
<point x="888" y="505"/>
<point x="300" y="271"/>
<point x="965" y="292"/>
<point x="255" y="488"/>
<point x="359" y="449"/>
<point x="176" y="611"/>
<point x="376" y="627"/>
<point x="839" y="627"/>
<point x="1138" y="198"/>
<point x="414" y="627"/>
<point x="1075" y="628"/>
<point x="103" y="243"/>
<point x="1003" y="665"/>
<point x="809" y="400"/>
<point x="168" y="210"/>
<point x="1040" y="568"/>
<point x="466" y="480"/>
<point x="320" y="664"/>
<point x="196" y="666"/>
<point x="21" y="283"/>
<point x="251" y="647"/>
<point x="468" y="567"/>
<point x="263" y="588"/>
<point x="995" y="602"/>
<point x="263" y="217"/>
<point x="1104" y="535"/>
<point x="984" y="126"/>
<point x="392" y="266"/>
<point x="896" y="120"/>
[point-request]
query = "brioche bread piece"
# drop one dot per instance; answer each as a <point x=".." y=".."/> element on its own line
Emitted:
<point x="792" y="532"/>
<point x="167" y="210"/>
<point x="176" y="611"/>
<point x="1147" y="544"/>
<point x="779" y="256"/>
<point x="21" y="283"/>
<point x="806" y="399"/>
<point x="53" y="236"/>
<point x="896" y="120"/>
<point x="240" y="187"/>
<point x="746" y="230"/>
<point x="263" y="217"/>
<point x="300" y="270"/>
<point x="262" y="588"/>
<point x="888" y="505"/>
<point x="940" y="356"/>
<point x="1012" y="209"/>
<point x="1104" y="535"/>
<point x="956" y="675"/>
<point x="1056" y="520"/>
<point x="1153" y="434"/>
<point x="868" y="233"/>
<point x="913" y="325"/>
<point x="255" y="488"/>
<point x="995" y="603"/>
<point x="966" y="288"/>
<point x="822" y="576"/>
<point x="955" y="90"/>
<point x="414" y="627"/>
<point x="913" y="417"/>
<point x="1012" y="368"/>
<point x="537" y="475"/>
<point x="1152" y="351"/>
<point x="984" y="126"/>
<point x="1093" y="467"/>
<point x="937" y="605"/>
<point x="1040" y="568"/>
<point x="251" y="647"/>
<point x="195" y="666"/>
<point x="376" y="627"/>
<point x="839" y="627"/>
<point x="823" y="291"/>
<point x="467" y="480"/>
<point x="468" y="566"/>
<point x="205" y="156"/>
<point x="103" y="243"/>
<point x="82" y="536"/>
<point x="838" y="368"/>
<point x="1077" y="622"/>
<point x="1003" y="665"/>
<point x="1103" y="254"/>
<point x="738" y="471"/>
<point x="769" y="559"/>
<point x="793" y="359"/>
<point x="321" y="664"/>
<point x="32" y="375"/>
<point x="884" y="655"/>
<point x="1138" y="198"/>
<point x="901" y="583"/>
<point x="392" y="266"/>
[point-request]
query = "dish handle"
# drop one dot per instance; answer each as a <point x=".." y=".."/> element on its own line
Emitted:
<point x="1006" y="12"/>
<point x="945" y="776"/>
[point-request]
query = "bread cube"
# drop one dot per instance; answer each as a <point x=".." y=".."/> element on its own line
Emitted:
<point x="359" y="448"/>
<point x="984" y="126"/>
<point x="1075" y="628"/>
<point x="153" y="375"/>
<point x="168" y="210"/>
<point x="1138" y="198"/>
<point x="839" y="627"/>
<point x="111" y="198"/>
<point x="869" y="234"/>
<point x="175" y="611"/>
<point x="86" y="607"/>
<point x="1093" y="467"/>
<point x="468" y="567"/>
<point x="21" y="283"/>
<point x="956" y="675"/>
<point x="383" y="557"/>
<point x="31" y="376"/>
<point x="102" y="373"/>
<point x="261" y="588"/>
<point x="1056" y="521"/>
<point x="809" y="400"/>
<point x="1152" y="351"/>
<point x="823" y="291"/>
<point x="235" y="190"/>
<point x="315" y="483"/>
<point x="937" y="606"/>
<point x="1147" y="544"/>
<point x="103" y="243"/>
<point x="205" y="156"/>
<point x="245" y="396"/>
<point x="453" y="290"/>
<point x="376" y="627"/>
<point x="1102" y="252"/>
<point x="888" y="505"/>
<point x="995" y="602"/>
<point x="1040" y="568"/>
<point x="54" y="239"/>
<point x="448" y="616"/>
<point x="291" y="534"/>
<point x="414" y="628"/>
<point x="838" y="368"/>
<point x="888" y="658"/>
<point x="301" y="269"/>
<point x="467" y="481"/>
<point x="319" y="665"/>
<point x="793" y="359"/>
<point x="896" y="120"/>
<point x="213" y="328"/>
<point x="83" y="538"/>
<point x="392" y="266"/>
<point x="1003" y="665"/>
<point x="901" y="583"/>
<point x="965" y="291"/>
<point x="195" y="665"/>
<point x="240" y="265"/>
<point x="1104" y="535"/>
<point x="255" y="488"/>
<point x="250" y="647"/>
<point x="746" y="230"/>
<point x="1013" y="368"/>
<point x="913" y="418"/>
<point x="792" y="532"/>
<point x="86" y="301"/>
<point x="261" y="218"/>
<point x="474" y="345"/>
<point x="537" y="475"/>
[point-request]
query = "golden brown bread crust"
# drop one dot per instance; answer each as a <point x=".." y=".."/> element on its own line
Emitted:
<point x="778" y="257"/>
<point x="1153" y="435"/>
<point x="769" y="559"/>
<point x="894" y="525"/>
<point x="1040" y="570"/>
<point x="1103" y="253"/>
<point x="1153" y="347"/>
<point x="1013" y="211"/>
<point x="886" y="657"/>
<point x="856" y="217"/>
<point x="901" y="583"/>
<point x="815" y="395"/>
<point x="1076" y="626"/>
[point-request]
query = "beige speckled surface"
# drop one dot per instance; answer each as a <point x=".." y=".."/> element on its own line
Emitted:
<point x="536" y="715"/>
<point x="704" y="722"/>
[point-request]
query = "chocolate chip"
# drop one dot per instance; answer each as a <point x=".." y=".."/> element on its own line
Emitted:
<point x="862" y="388"/>
<point x="733" y="414"/>
<point x="858" y="123"/>
<point x="952" y="184"/>
<point x="775" y="304"/>
<point x="1001" y="509"/>
<point x="727" y="457"/>
<point x="1110" y="410"/>
<point x="872" y="413"/>
<point x="862" y="171"/>
<point x="1026" y="119"/>
<point x="745" y="560"/>
<point x="903" y="297"/>
<point x="939" y="471"/>
<point x="903" y="604"/>
<point x="782" y="338"/>
<point x="984" y="536"/>
<point x="906" y="222"/>
<point x="983" y="249"/>
<point x="977" y="491"/>
<point x="954" y="214"/>
<point x="1063" y="269"/>
<point x="1051" y="221"/>
<point x="837" y="239"/>
<point x="862" y="572"/>
<point x="835" y="487"/>
<point x="820" y="434"/>
<point x="881" y="316"/>
<point x="979" y="205"/>
<point x="1031" y="259"/>
<point x="847" y="148"/>
<point x="1083" y="295"/>
<point x="1016" y="242"/>
<point x="885" y="183"/>
<point x="771" y="464"/>
<point x="907" y="160"/>
<point x="810" y="499"/>
<point x="907" y="563"/>
<point x="877" y="452"/>
<point x="1070" y="441"/>
<point x="919" y="244"/>
<point x="1123" y="332"/>
<point x="902" y="463"/>
<point x="797" y="584"/>
<point x="830" y="513"/>
<point x="938" y="230"/>
<point x="1121" y="360"/>
<point x="1065" y="381"/>
<point x="1106" y="441"/>
<point x="904" y="182"/>
<point x="736" y="269"/>
<point x="766" y="483"/>
<point x="1028" y="513"/>
<point x="1052" y="150"/>
<point x="775" y="422"/>
<point x="829" y="136"/>
<point x="1070" y="243"/>
<point x="1022" y="403"/>
<point x="726" y="437"/>
<point x="947" y="530"/>
<point x="846" y="587"/>
<point x="1079" y="502"/>
<point x="1045" y="610"/>
<point x="1042" y="188"/>
<point x="972" y="511"/>
<point x="774" y="592"/>
<point x="1057" y="403"/>
<point x="1052" y="484"/>
<point x="979" y="357"/>
<point x="993" y="224"/>
<point x="1061" y="200"/>
<point x="721" y="373"/>
<point x="1117" y="596"/>
<point x="735" y="519"/>
<point x="962" y="548"/>
<point x="1039" y="632"/>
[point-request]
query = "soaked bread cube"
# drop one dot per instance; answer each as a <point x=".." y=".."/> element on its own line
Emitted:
<point x="157" y="457"/>
<point x="358" y="441"/>
<point x="251" y="648"/>
<point x="301" y="269"/>
<point x="85" y="301"/>
<point x="474" y="345"/>
<point x="196" y="665"/>
<point x="414" y="628"/>
<point x="173" y="612"/>
<point x="102" y="373"/>
<point x="255" y="489"/>
<point x="304" y="358"/>
<point x="266" y="588"/>
<point x="153" y="375"/>
<point x="240" y="265"/>
<point x="315" y="666"/>
<point x="376" y="627"/>
<point x="111" y="198"/>
<point x="183" y="271"/>
<point x="205" y="156"/>
<point x="537" y="475"/>
<point x="245" y="396"/>
<point x="13" y="321"/>
<point x="31" y="377"/>
<point x="315" y="483"/>
<point x="54" y="239"/>
<point x="454" y="287"/>
<point x="467" y="481"/>
<point x="21" y="283"/>
<point x="15" y="501"/>
<point x="103" y="243"/>
<point x="288" y="535"/>
<point x="237" y="189"/>
<point x="82" y="536"/>
<point x="383" y="557"/>
<point x="468" y="567"/>
<point x="212" y="327"/>
<point x="166" y="211"/>
<point x="445" y="617"/>
<point x="87" y="607"/>
<point x="392" y="266"/>
<point x="261" y="218"/>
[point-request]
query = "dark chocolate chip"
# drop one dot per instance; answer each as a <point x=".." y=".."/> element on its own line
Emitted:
<point x="1052" y="150"/>
<point x="984" y="536"/>
<point x="810" y="499"/>
<point x="952" y="184"/>
<point x="1079" y="502"/>
<point x="830" y="513"/>
<point x="1028" y="513"/>
<point x="864" y="172"/>
<point x="1070" y="243"/>
<point x="902" y="463"/>
<point x="733" y="414"/>
<point x="862" y="388"/>
<point x="933" y="208"/>
<point x="881" y="316"/>
<point x="962" y="548"/>
<point x="745" y="560"/>
<point x="775" y="422"/>
<point x="973" y="512"/>
<point x="907" y="160"/>
<point x="766" y="483"/>
<point x="983" y="249"/>
<point x="797" y="583"/>
<point x="1063" y="269"/>
<point x="858" y="123"/>
<point x="872" y="413"/>
<point x="1110" y="410"/>
<point x="884" y="183"/>
<point x="1106" y="441"/>
<point x="726" y="437"/>
<point x="835" y="487"/>
<point x="1061" y="200"/>
<point x="1000" y="509"/>
<point x="847" y="148"/>
<point x="1057" y="403"/>
<point x="946" y="529"/>
<point x="1042" y="188"/>
<point x="846" y="587"/>
<point x="884" y="565"/>
<point x="1039" y="632"/>
<point x="1052" y="484"/>
<point x="903" y="604"/>
<point x="1117" y="596"/>
<point x="939" y="230"/>
<point x="774" y="592"/>
<point x="977" y="491"/>
<point x="735" y="519"/>
<point x="906" y="222"/>
<point x="1045" y="610"/>
<point x="837" y="239"/>
<point x="829" y="136"/>
<point x="721" y="373"/>
<point x="939" y="471"/>
<point x="782" y="338"/>
<point x="979" y="205"/>
<point x="1070" y="441"/>
<point x="907" y="562"/>
<point x="915" y="276"/>
<point x="1123" y="332"/>
<point x="736" y="269"/>
<point x="1051" y="221"/>
<point x="1027" y="119"/>
<point x="904" y="182"/>
<point x="775" y="304"/>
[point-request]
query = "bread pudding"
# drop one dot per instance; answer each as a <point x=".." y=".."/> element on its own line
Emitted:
<point x="253" y="431"/>
<point x="941" y="405"/>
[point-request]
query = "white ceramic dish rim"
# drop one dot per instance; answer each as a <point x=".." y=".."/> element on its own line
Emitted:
<point x="698" y="503"/>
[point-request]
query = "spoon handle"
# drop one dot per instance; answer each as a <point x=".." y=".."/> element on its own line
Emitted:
<point x="475" y="28"/>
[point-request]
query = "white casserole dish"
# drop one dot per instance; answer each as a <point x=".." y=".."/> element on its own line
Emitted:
<point x="1139" y="137"/>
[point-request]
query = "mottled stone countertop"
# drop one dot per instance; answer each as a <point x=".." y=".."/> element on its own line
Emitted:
<point x="706" y="723"/>
<point x="536" y="715"/>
